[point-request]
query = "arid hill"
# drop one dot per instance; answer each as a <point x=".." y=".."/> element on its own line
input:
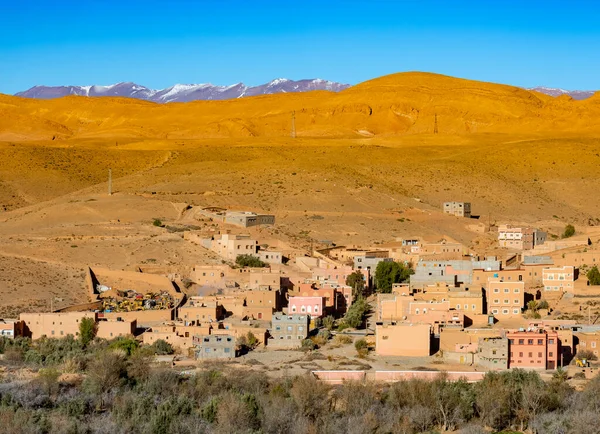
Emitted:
<point x="365" y="168"/>
<point x="406" y="103"/>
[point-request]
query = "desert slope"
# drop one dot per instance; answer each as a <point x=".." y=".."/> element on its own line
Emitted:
<point x="398" y="104"/>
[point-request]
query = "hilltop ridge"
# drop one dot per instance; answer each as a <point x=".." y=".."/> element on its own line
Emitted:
<point x="397" y="104"/>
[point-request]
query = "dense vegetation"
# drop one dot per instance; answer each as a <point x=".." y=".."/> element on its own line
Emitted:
<point x="388" y="273"/>
<point x="593" y="275"/>
<point x="110" y="387"/>
<point x="356" y="281"/>
<point x="249" y="261"/>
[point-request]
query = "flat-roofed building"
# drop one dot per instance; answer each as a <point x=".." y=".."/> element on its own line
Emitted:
<point x="559" y="278"/>
<point x="11" y="328"/>
<point x="493" y="352"/>
<point x="458" y="209"/>
<point x="537" y="349"/>
<point x="313" y="306"/>
<point x="403" y="339"/>
<point x="210" y="347"/>
<point x="288" y="331"/>
<point x="248" y="219"/>
<point x="505" y="299"/>
<point x="52" y="324"/>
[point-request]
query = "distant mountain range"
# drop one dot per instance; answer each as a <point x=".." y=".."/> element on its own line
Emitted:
<point x="575" y="94"/>
<point x="184" y="92"/>
<point x="207" y="91"/>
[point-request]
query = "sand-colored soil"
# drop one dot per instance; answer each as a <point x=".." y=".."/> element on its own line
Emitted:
<point x="366" y="168"/>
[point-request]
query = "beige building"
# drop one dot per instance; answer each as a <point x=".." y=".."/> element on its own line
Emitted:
<point x="520" y="238"/>
<point x="200" y="310"/>
<point x="458" y="209"/>
<point x="505" y="299"/>
<point x="403" y="339"/>
<point x="230" y="246"/>
<point x="11" y="328"/>
<point x="493" y="353"/>
<point x="559" y="278"/>
<point x="110" y="329"/>
<point x="53" y="325"/>
<point x="288" y="331"/>
<point x="589" y="341"/>
<point x="179" y="335"/>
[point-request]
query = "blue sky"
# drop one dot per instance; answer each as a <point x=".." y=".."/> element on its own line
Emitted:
<point x="160" y="43"/>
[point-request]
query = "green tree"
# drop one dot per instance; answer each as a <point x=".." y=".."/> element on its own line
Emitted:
<point x="593" y="275"/>
<point x="387" y="273"/>
<point x="355" y="316"/>
<point x="87" y="330"/>
<point x="162" y="347"/>
<point x="356" y="281"/>
<point x="569" y="231"/>
<point x="127" y="345"/>
<point x="249" y="261"/>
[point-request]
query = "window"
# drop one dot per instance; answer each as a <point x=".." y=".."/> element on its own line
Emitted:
<point x="474" y="307"/>
<point x="511" y="341"/>
<point x="506" y="301"/>
<point x="551" y="354"/>
<point x="227" y="350"/>
<point x="506" y="290"/>
<point x="517" y="290"/>
<point x="207" y="350"/>
<point x="540" y="342"/>
<point x="300" y="328"/>
<point x="496" y="301"/>
<point x="529" y="341"/>
<point x="516" y="311"/>
<point x="520" y="354"/>
<point x="550" y="341"/>
<point x="496" y="290"/>
<point x="540" y="354"/>
<point x="505" y="311"/>
<point x="495" y="311"/>
<point x="289" y="329"/>
<point x="593" y="344"/>
<point x="530" y="355"/>
<point x="521" y="341"/>
<point x="516" y="301"/>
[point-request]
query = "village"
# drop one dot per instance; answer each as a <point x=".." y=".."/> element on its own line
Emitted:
<point x="394" y="310"/>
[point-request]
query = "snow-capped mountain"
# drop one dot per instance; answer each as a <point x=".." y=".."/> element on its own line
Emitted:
<point x="184" y="92"/>
<point x="575" y="94"/>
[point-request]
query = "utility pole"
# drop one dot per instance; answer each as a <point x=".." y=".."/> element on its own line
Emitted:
<point x="435" y="125"/>
<point x="110" y="182"/>
<point x="293" y="124"/>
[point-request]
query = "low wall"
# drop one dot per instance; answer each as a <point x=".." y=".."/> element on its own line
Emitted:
<point x="391" y="376"/>
<point x="143" y="317"/>
<point x="338" y="377"/>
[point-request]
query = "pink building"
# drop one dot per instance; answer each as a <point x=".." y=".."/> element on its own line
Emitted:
<point x="314" y="306"/>
<point x="559" y="278"/>
<point x="538" y="349"/>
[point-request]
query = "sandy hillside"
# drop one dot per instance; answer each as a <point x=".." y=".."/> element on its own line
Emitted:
<point x="365" y="168"/>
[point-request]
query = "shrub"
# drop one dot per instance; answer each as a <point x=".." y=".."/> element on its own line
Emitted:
<point x="127" y="345"/>
<point x="249" y="261"/>
<point x="157" y="223"/>
<point x="48" y="378"/>
<point x="87" y="330"/>
<point x="569" y="231"/>
<point x="162" y="347"/>
<point x="593" y="275"/>
<point x="355" y="316"/>
<point x="342" y="339"/>
<point x="329" y="322"/>
<point x="362" y="347"/>
<point x="543" y="305"/>
<point x="308" y="345"/>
